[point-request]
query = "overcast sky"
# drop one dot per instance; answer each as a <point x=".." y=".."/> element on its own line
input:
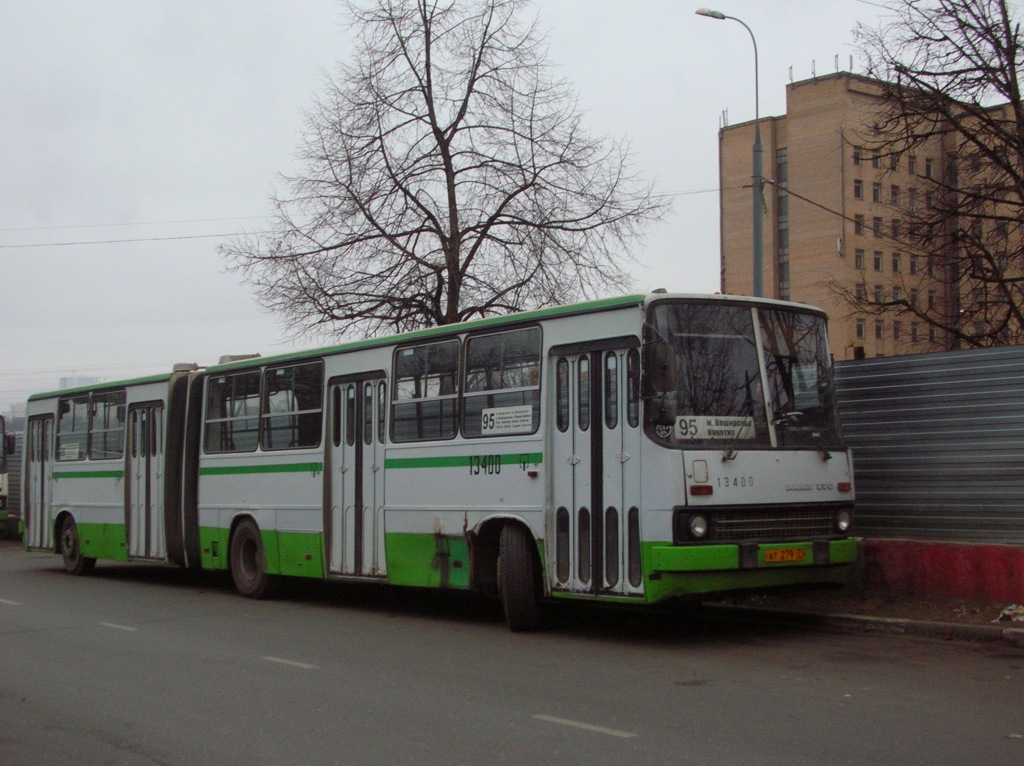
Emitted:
<point x="159" y="123"/>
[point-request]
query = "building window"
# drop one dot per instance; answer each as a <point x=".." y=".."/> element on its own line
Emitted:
<point x="876" y="226"/>
<point x="861" y="333"/>
<point x="878" y="294"/>
<point x="858" y="224"/>
<point x="858" y="189"/>
<point x="894" y="161"/>
<point x="913" y="297"/>
<point x="913" y="264"/>
<point x="894" y="195"/>
<point x="895" y="228"/>
<point x="858" y="258"/>
<point x="879" y="330"/>
<point x="856" y="155"/>
<point x="897" y="330"/>
<point x="781" y="165"/>
<point x="878" y="260"/>
<point x="897" y="295"/>
<point x="915" y="333"/>
<point x="895" y="263"/>
<point x="859" y="292"/>
<point x="932" y="298"/>
<point x="912" y="200"/>
<point x="911" y="164"/>
<point x="876" y="159"/>
<point x="876" y="192"/>
<point x="929" y="167"/>
<point x="931" y="334"/>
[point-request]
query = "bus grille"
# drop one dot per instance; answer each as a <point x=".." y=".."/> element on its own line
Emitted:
<point x="772" y="524"/>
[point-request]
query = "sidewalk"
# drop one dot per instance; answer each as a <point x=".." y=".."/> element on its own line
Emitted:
<point x="868" y="611"/>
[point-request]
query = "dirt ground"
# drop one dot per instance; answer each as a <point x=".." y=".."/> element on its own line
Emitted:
<point x="875" y="604"/>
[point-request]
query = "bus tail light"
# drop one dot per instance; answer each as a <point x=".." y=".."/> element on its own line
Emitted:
<point x="701" y="490"/>
<point x="845" y="486"/>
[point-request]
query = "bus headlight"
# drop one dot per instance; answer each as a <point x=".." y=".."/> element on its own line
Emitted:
<point x="698" y="526"/>
<point x="843" y="520"/>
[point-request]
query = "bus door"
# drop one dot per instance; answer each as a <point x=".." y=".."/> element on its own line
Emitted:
<point x="596" y="470"/>
<point x="354" y="493"/>
<point x="144" y="488"/>
<point x="38" y="482"/>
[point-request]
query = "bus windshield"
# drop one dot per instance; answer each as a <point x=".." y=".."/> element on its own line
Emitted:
<point x="719" y="394"/>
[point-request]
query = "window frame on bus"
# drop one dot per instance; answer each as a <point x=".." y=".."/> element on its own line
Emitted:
<point x="442" y="406"/>
<point x="494" y="379"/>
<point x="80" y="412"/>
<point x="304" y="412"/>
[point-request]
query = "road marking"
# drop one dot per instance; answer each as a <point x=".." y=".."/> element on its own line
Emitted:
<point x="9" y="603"/>
<point x="115" y="626"/>
<point x="585" y="726"/>
<point x="293" y="663"/>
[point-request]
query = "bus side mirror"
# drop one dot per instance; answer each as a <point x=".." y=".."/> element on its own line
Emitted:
<point x="661" y="367"/>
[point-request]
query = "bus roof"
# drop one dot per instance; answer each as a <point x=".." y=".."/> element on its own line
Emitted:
<point x="162" y="378"/>
<point x="587" y="307"/>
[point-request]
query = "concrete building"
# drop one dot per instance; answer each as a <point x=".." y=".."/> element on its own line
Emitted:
<point x="834" y="210"/>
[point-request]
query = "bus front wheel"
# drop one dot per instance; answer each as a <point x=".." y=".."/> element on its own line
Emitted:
<point x="248" y="562"/>
<point x="517" y="578"/>
<point x="71" y="550"/>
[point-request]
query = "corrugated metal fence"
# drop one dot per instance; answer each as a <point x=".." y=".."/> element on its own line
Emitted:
<point x="938" y="444"/>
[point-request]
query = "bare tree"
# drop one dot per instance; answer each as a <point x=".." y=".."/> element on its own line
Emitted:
<point x="447" y="176"/>
<point x="949" y="75"/>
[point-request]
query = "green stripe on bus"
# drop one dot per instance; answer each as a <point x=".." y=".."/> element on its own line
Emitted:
<point x="462" y="461"/>
<point x="88" y="474"/>
<point x="226" y="470"/>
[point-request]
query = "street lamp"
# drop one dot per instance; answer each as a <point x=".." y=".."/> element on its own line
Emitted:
<point x="758" y="209"/>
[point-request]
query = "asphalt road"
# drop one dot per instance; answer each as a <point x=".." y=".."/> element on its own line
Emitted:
<point x="148" y="665"/>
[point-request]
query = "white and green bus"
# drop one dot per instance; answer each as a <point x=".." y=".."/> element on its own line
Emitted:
<point x="631" y="450"/>
<point x="8" y="516"/>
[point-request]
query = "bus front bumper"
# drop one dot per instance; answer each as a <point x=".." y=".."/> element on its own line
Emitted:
<point x="711" y="558"/>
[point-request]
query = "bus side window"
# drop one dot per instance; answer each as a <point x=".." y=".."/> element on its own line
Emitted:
<point x="426" y="392"/>
<point x="583" y="392"/>
<point x="501" y="396"/>
<point x="633" y="388"/>
<point x="611" y="390"/>
<point x="292" y="407"/>
<point x="562" y="394"/>
<point x="232" y="412"/>
<point x="73" y="428"/>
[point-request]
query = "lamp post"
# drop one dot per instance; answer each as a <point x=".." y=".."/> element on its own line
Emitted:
<point x="758" y="206"/>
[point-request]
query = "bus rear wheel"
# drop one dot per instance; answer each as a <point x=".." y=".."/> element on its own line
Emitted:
<point x="248" y="562"/>
<point x="517" y="578"/>
<point x="71" y="550"/>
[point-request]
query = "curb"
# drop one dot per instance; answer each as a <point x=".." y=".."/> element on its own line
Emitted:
<point x="946" y="631"/>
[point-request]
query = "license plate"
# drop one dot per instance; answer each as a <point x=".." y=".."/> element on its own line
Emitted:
<point x="785" y="555"/>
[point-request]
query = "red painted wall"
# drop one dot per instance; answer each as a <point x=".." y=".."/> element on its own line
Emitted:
<point x="978" y="572"/>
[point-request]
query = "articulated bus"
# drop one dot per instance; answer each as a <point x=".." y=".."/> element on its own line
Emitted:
<point x="633" y="450"/>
